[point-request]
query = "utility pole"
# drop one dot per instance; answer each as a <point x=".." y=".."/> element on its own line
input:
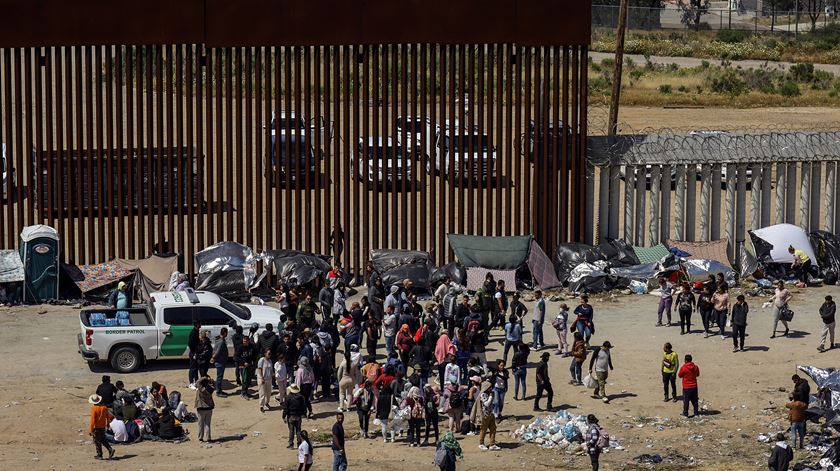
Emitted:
<point x="619" y="63"/>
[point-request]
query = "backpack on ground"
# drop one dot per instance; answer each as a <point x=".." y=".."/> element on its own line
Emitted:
<point x="174" y="399"/>
<point x="603" y="438"/>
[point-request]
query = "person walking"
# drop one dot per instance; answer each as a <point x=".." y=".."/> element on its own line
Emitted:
<point x="513" y="335"/>
<point x="389" y="329"/>
<point x="721" y="305"/>
<point x="305" y="452"/>
<point x="349" y="377"/>
<point x="666" y="300"/>
<point x="596" y="440"/>
<point x="99" y="419"/>
<point x="539" y="319"/>
<point x="499" y="380"/>
<point x="236" y="340"/>
<point x="827" y="311"/>
<point x="453" y="405"/>
<point x="364" y="406"/>
<point x="384" y="407"/>
<point x="780" y="303"/>
<point x="706" y="309"/>
<point x="305" y="379"/>
<point x="561" y="327"/>
<point x="797" y="415"/>
<point x="192" y="344"/>
<point x="685" y="307"/>
<point x="337" y="241"/>
<point x="781" y="456"/>
<point x="488" y="419"/>
<point x="281" y="377"/>
<point x="416" y="415"/>
<point x="219" y="359"/>
<point x="246" y="360"/>
<point x="543" y="383"/>
<point x="584" y="323"/>
<point x="578" y="357"/>
<point x="444" y="355"/>
<point x="431" y="401"/>
<point x="450" y="451"/>
<point x="520" y="370"/>
<point x="204" y="405"/>
<point x="670" y="365"/>
<point x="739" y="322"/>
<point x="689" y="373"/>
<point x="265" y="376"/>
<point x="602" y="362"/>
<point x="294" y="409"/>
<point x="339" y="453"/>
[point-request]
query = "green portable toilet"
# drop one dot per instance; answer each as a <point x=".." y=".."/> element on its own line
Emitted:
<point x="39" y="253"/>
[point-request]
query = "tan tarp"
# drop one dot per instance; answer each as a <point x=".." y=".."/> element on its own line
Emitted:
<point x="150" y="274"/>
<point x="711" y="250"/>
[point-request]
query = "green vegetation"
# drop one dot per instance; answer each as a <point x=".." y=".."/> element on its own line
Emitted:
<point x="652" y="84"/>
<point x="817" y="47"/>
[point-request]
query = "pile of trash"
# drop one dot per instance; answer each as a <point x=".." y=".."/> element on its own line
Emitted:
<point x="562" y="431"/>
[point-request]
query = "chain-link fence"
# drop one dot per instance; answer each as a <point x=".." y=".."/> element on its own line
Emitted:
<point x="737" y="16"/>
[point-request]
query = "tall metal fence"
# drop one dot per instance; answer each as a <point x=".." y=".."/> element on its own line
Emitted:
<point x="734" y="18"/>
<point x="708" y="185"/>
<point x="129" y="149"/>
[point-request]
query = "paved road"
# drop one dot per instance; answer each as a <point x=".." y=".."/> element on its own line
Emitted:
<point x="694" y="62"/>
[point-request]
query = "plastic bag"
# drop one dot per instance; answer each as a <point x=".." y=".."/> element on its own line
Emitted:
<point x="590" y="382"/>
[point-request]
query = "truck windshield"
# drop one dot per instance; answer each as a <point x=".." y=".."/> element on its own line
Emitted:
<point x="479" y="143"/>
<point x="237" y="310"/>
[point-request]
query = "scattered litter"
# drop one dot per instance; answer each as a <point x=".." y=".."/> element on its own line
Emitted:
<point x="256" y="434"/>
<point x="561" y="431"/>
<point x="696" y="438"/>
<point x="647" y="459"/>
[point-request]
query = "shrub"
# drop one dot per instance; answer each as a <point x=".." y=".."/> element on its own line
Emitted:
<point x="636" y="74"/>
<point x="728" y="82"/>
<point x="835" y="91"/>
<point x="682" y="88"/>
<point x="665" y="89"/>
<point x="731" y="36"/>
<point x="821" y="80"/>
<point x="789" y="89"/>
<point x="705" y="64"/>
<point x="802" y="73"/>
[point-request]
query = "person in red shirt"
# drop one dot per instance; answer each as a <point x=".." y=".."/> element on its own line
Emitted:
<point x="689" y="373"/>
<point x="99" y="420"/>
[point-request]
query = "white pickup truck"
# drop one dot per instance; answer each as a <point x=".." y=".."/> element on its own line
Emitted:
<point x="161" y="329"/>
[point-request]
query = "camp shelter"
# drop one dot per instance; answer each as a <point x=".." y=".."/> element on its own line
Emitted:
<point x="39" y="252"/>
<point x="394" y="265"/>
<point x="504" y="257"/>
<point x="150" y="274"/>
<point x="228" y="269"/>
<point x="92" y="278"/>
<point x="297" y="268"/>
<point x="771" y="243"/>
<point x="708" y="250"/>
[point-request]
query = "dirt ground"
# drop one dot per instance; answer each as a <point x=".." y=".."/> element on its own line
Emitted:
<point x="44" y="409"/>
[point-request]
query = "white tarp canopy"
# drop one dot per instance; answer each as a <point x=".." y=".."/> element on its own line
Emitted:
<point x="11" y="268"/>
<point x="782" y="236"/>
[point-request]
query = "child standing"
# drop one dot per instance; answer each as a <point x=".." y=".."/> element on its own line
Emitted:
<point x="281" y="377"/>
<point x="560" y="324"/>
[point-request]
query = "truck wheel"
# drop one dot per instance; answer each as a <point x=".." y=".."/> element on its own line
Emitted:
<point x="125" y="359"/>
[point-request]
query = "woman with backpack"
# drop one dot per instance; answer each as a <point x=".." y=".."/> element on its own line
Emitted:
<point x="453" y="405"/>
<point x="416" y="415"/>
<point x="363" y="398"/>
<point x="578" y="357"/>
<point x="685" y="306"/>
<point x="431" y="400"/>
<point x="383" y="412"/>
<point x="305" y="379"/>
<point x="596" y="440"/>
<point x="447" y="453"/>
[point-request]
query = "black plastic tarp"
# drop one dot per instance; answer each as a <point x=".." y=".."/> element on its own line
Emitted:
<point x="618" y="253"/>
<point x="227" y="269"/>
<point x="568" y="256"/>
<point x="454" y="271"/>
<point x="590" y="278"/>
<point x="393" y="266"/>
<point x="827" y="247"/>
<point x="297" y="268"/>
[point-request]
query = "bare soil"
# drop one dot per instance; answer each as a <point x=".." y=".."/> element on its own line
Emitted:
<point x="44" y="413"/>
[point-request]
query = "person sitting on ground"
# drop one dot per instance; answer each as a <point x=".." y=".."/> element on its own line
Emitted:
<point x="118" y="432"/>
<point x="167" y="428"/>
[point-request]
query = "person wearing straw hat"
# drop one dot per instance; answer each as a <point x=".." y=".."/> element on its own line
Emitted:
<point x="294" y="408"/>
<point x="99" y="418"/>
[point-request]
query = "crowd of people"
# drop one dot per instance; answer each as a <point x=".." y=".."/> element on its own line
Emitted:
<point x="434" y="372"/>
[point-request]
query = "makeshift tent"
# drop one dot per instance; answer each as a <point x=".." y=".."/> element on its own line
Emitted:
<point x="747" y="262"/>
<point x="227" y="269"/>
<point x="709" y="250"/>
<point x="150" y="274"/>
<point x="613" y="252"/>
<point x="393" y="266"/>
<point x="39" y="252"/>
<point x="503" y="254"/>
<point x="297" y="268"/>
<point x="771" y="243"/>
<point x="827" y="247"/>
<point x="92" y="277"/>
<point x="651" y="254"/>
<point x="11" y="268"/>
<point x="643" y="272"/>
<point x="591" y="278"/>
<point x="477" y="275"/>
<point x="454" y="271"/>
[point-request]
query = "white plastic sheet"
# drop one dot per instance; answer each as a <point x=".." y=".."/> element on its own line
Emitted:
<point x="782" y="236"/>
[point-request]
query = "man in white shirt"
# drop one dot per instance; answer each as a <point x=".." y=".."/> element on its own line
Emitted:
<point x="120" y="433"/>
<point x="265" y="373"/>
